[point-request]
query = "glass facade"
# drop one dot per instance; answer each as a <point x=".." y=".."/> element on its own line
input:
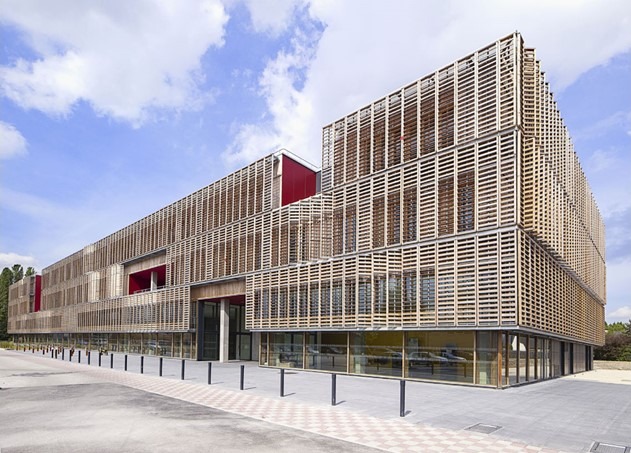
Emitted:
<point x="486" y="358"/>
<point x="327" y="351"/>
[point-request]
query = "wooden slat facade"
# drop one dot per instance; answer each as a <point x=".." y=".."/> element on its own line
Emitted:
<point x="456" y="201"/>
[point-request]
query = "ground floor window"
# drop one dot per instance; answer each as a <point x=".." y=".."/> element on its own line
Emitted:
<point x="166" y="344"/>
<point x="489" y="358"/>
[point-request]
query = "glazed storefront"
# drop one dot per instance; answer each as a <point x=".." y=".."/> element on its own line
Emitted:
<point x="488" y="358"/>
<point x="167" y="344"/>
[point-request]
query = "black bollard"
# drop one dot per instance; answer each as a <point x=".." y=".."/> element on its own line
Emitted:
<point x="79" y="356"/>
<point x="402" y="398"/>
<point x="333" y="388"/>
<point x="242" y="377"/>
<point x="89" y="353"/>
<point x="100" y="355"/>
<point x="52" y="354"/>
<point x="142" y="364"/>
<point x="210" y="371"/>
<point x="282" y="382"/>
<point x="56" y="353"/>
<point x="62" y="354"/>
<point x="111" y="360"/>
<point x="160" y="366"/>
<point x="125" y="362"/>
<point x="183" y="365"/>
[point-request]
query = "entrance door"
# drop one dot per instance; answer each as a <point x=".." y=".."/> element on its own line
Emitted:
<point x="240" y="340"/>
<point x="210" y="329"/>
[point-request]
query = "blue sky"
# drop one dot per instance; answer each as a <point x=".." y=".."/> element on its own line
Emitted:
<point x="110" y="110"/>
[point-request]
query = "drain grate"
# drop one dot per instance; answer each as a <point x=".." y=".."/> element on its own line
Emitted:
<point x="483" y="428"/>
<point x="602" y="447"/>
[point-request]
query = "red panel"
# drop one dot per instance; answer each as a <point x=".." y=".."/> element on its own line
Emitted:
<point x="298" y="181"/>
<point x="141" y="280"/>
<point x="38" y="293"/>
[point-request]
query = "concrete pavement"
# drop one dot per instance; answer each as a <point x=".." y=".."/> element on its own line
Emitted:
<point x="567" y="414"/>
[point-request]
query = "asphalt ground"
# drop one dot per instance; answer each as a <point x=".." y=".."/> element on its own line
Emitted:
<point x="44" y="409"/>
<point x="567" y="414"/>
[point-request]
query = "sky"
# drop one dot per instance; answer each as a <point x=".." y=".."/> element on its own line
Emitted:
<point x="110" y="110"/>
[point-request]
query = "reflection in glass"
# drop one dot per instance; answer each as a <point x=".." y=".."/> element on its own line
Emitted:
<point x="487" y="358"/>
<point x="446" y="356"/>
<point x="286" y="349"/>
<point x="123" y="342"/>
<point x="177" y="344"/>
<point x="327" y="351"/>
<point x="378" y="353"/>
<point x="555" y="358"/>
<point x="164" y="344"/>
<point x="112" y="343"/>
<point x="532" y="359"/>
<point x="187" y="341"/>
<point x="511" y="355"/>
<point x="263" y="358"/>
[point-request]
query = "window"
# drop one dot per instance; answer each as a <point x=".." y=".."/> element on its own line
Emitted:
<point x="446" y="205"/>
<point x="466" y="200"/>
<point x="428" y="289"/>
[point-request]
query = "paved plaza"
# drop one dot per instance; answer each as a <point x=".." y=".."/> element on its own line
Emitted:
<point x="570" y="414"/>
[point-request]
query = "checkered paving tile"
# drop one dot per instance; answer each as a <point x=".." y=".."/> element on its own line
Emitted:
<point x="394" y="435"/>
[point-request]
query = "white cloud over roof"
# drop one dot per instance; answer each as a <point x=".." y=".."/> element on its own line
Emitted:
<point x="125" y="59"/>
<point x="9" y="259"/>
<point x="369" y="48"/>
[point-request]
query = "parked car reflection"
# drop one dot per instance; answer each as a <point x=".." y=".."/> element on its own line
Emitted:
<point x="453" y="358"/>
<point x="427" y="358"/>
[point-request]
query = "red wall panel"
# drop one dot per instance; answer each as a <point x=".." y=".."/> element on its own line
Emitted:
<point x="298" y="181"/>
<point x="38" y="293"/>
<point x="141" y="280"/>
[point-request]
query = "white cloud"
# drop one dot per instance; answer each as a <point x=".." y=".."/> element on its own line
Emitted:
<point x="622" y="313"/>
<point x="12" y="143"/>
<point x="271" y="16"/>
<point x="617" y="120"/>
<point x="126" y="59"/>
<point x="289" y="109"/>
<point x="369" y="48"/>
<point x="10" y="258"/>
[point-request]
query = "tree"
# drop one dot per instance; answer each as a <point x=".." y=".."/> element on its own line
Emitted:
<point x="615" y="327"/>
<point x="7" y="278"/>
<point x="617" y="343"/>
<point x="18" y="272"/>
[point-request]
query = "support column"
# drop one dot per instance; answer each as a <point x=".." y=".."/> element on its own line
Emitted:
<point x="154" y="281"/>
<point x="224" y="329"/>
<point x="199" y="334"/>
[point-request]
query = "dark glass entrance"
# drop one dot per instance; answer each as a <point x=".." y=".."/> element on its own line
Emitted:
<point x="209" y="327"/>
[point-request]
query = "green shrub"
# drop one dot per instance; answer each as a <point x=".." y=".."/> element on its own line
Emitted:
<point x="7" y="345"/>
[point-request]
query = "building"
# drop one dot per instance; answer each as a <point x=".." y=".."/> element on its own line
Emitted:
<point x="450" y="235"/>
